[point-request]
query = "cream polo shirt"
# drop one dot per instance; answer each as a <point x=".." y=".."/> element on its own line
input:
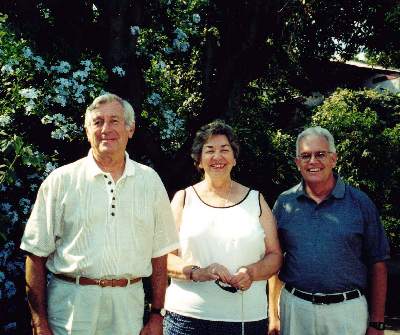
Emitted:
<point x="87" y="225"/>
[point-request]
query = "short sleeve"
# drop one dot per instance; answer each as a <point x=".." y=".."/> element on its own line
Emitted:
<point x="165" y="234"/>
<point x="276" y="210"/>
<point x="43" y="225"/>
<point x="376" y="246"/>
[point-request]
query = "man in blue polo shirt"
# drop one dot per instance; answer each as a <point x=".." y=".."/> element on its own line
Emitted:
<point x="335" y="251"/>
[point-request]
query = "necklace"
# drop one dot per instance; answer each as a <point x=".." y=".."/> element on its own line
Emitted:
<point x="228" y="195"/>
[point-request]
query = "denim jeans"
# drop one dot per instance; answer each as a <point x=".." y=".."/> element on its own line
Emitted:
<point x="176" y="324"/>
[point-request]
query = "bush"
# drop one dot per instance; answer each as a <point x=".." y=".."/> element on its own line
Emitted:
<point x="41" y="117"/>
<point x="366" y="127"/>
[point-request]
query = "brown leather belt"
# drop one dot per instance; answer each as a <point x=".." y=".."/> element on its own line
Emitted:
<point x="119" y="282"/>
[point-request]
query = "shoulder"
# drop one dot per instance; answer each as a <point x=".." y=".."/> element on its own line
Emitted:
<point x="65" y="172"/>
<point x="357" y="195"/>
<point x="289" y="194"/>
<point x="356" y="192"/>
<point x="244" y="191"/>
<point x="178" y="201"/>
<point x="142" y="167"/>
<point x="179" y="196"/>
<point x="145" y="171"/>
<point x="360" y="200"/>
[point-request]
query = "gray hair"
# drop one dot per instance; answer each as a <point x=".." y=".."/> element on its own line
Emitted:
<point x="129" y="114"/>
<point x="316" y="131"/>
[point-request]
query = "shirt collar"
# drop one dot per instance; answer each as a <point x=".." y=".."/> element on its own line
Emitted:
<point x="94" y="170"/>
<point x="337" y="192"/>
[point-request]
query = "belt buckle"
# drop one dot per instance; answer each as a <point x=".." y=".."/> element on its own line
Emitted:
<point x="102" y="283"/>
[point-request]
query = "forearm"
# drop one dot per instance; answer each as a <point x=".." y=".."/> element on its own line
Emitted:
<point x="378" y="288"/>
<point x="159" y="281"/>
<point x="177" y="268"/>
<point x="274" y="290"/>
<point x="266" y="267"/>
<point x="35" y="274"/>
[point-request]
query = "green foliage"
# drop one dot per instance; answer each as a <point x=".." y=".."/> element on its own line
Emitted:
<point x="366" y="127"/>
<point x="383" y="47"/>
<point x="392" y="228"/>
<point x="267" y="126"/>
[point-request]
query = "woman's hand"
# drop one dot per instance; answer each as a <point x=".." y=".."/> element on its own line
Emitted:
<point x="212" y="272"/>
<point x="242" y="279"/>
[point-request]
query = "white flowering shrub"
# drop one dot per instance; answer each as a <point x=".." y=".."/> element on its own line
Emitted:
<point x="42" y="102"/>
<point x="173" y="94"/>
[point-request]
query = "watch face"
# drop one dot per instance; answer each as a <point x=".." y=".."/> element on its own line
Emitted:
<point x="159" y="311"/>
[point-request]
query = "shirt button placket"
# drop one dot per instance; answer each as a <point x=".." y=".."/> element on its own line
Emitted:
<point x="113" y="203"/>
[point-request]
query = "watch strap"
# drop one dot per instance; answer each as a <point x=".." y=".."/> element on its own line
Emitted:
<point x="193" y="268"/>
<point x="159" y="311"/>
<point x="377" y="325"/>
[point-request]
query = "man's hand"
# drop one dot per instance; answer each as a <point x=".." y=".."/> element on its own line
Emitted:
<point x="154" y="326"/>
<point x="274" y="326"/>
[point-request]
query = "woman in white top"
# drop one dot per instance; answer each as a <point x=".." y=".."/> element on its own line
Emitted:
<point x="228" y="247"/>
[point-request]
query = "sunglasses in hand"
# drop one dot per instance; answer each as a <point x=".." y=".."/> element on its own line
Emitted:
<point x="226" y="287"/>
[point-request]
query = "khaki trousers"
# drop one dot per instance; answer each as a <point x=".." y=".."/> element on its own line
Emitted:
<point x="301" y="317"/>
<point x="93" y="310"/>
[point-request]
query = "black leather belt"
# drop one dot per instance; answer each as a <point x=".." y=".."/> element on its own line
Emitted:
<point x="324" y="299"/>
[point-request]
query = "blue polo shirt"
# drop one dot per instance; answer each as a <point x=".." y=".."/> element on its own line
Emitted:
<point x="329" y="246"/>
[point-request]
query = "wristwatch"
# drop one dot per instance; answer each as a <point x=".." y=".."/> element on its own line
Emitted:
<point x="160" y="311"/>
<point x="377" y="325"/>
<point x="193" y="268"/>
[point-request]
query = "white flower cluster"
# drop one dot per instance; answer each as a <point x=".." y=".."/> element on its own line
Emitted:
<point x="5" y="120"/>
<point x="154" y="99"/>
<point x="31" y="94"/>
<point x="72" y="87"/>
<point x="174" y="125"/>
<point x="8" y="68"/>
<point x="118" y="70"/>
<point x="161" y="65"/>
<point x="196" y="18"/>
<point x="6" y="208"/>
<point x="62" y="67"/>
<point x="39" y="62"/>
<point x="27" y="52"/>
<point x="135" y="30"/>
<point x="180" y="42"/>
<point x="5" y="253"/>
<point x="25" y="205"/>
<point x="65" y="127"/>
<point x="50" y="166"/>
<point x="69" y="86"/>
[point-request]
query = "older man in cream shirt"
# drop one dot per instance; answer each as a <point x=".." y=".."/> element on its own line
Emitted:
<point x="99" y="225"/>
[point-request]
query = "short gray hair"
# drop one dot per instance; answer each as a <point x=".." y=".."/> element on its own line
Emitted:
<point x="129" y="114"/>
<point x="316" y="131"/>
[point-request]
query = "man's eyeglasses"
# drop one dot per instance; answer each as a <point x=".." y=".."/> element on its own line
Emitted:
<point x="318" y="155"/>
<point x="226" y="287"/>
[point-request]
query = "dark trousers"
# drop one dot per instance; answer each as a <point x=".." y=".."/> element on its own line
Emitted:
<point x="176" y="324"/>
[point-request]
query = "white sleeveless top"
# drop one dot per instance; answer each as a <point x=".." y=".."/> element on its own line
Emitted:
<point x="231" y="236"/>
